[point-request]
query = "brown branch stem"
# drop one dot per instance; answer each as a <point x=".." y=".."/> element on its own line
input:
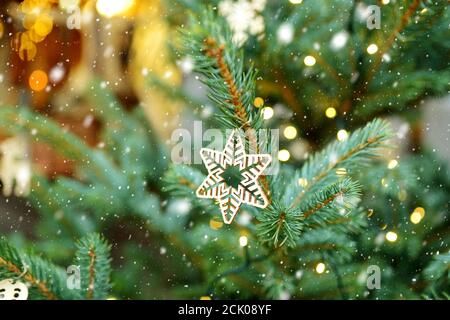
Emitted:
<point x="92" y="257"/>
<point x="40" y="285"/>
<point x="319" y="177"/>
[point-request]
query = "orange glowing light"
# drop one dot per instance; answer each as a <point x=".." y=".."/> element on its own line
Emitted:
<point x="38" y="80"/>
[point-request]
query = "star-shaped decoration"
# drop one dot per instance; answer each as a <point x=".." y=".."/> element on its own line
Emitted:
<point x="233" y="177"/>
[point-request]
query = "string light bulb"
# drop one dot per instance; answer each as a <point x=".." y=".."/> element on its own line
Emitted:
<point x="391" y="236"/>
<point x="258" y="102"/>
<point x="372" y="48"/>
<point x="320" y="267"/>
<point x="267" y="113"/>
<point x="342" y="135"/>
<point x="290" y="132"/>
<point x="284" y="155"/>
<point x="392" y="164"/>
<point x="111" y="9"/>
<point x="295" y="1"/>
<point x="303" y="182"/>
<point x="243" y="241"/>
<point x="38" y="80"/>
<point x="309" y="61"/>
<point x="417" y="215"/>
<point x="330" y="112"/>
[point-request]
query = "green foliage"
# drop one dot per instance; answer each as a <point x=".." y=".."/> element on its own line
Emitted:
<point x="330" y="208"/>
<point x="49" y="282"/>
<point x="231" y="86"/>
<point x="93" y="258"/>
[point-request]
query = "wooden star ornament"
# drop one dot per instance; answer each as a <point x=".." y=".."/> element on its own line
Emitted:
<point x="233" y="177"/>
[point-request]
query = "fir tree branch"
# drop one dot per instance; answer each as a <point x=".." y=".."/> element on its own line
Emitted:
<point x="339" y="281"/>
<point x="328" y="69"/>
<point x="248" y="262"/>
<point x="404" y="21"/>
<point x="47" y="281"/>
<point x="216" y="52"/>
<point x="90" y="290"/>
<point x="41" y="128"/>
<point x="361" y="145"/>
<point x="340" y="196"/>
<point x="222" y="65"/>
<point x="93" y="257"/>
<point x="41" y="286"/>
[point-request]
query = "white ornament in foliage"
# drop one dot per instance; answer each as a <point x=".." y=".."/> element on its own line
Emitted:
<point x="285" y="33"/>
<point x="233" y="177"/>
<point x="11" y="289"/>
<point x="15" y="166"/>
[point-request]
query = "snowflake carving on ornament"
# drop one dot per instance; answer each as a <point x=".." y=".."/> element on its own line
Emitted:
<point x="233" y="177"/>
<point x="243" y="17"/>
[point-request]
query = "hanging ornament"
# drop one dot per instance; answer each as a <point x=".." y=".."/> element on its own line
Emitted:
<point x="15" y="166"/>
<point x="11" y="289"/>
<point x="233" y="177"/>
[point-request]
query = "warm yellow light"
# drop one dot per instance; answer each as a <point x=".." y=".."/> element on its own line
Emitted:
<point x="415" y="217"/>
<point x="215" y="224"/>
<point x="283" y="155"/>
<point x="205" y="298"/>
<point x="330" y="112"/>
<point x="295" y="1"/>
<point x="243" y="241"/>
<point x="372" y="48"/>
<point x="421" y="211"/>
<point x="303" y="182"/>
<point x="391" y="236"/>
<point x="267" y="113"/>
<point x="309" y="61"/>
<point x="111" y="8"/>
<point x="320" y="267"/>
<point x="290" y="132"/>
<point x="258" y="102"/>
<point x="392" y="164"/>
<point x="43" y="25"/>
<point x="69" y="4"/>
<point x="342" y="135"/>
<point x="341" y="171"/>
<point x="385" y="1"/>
